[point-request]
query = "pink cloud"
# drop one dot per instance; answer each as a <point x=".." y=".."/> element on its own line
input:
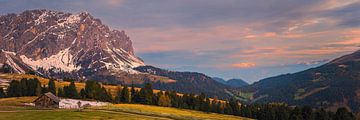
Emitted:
<point x="243" y="65"/>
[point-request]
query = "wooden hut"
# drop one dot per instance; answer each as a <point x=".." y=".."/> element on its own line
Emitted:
<point x="47" y="100"/>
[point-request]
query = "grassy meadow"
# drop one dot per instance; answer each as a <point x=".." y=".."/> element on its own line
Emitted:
<point x="14" y="109"/>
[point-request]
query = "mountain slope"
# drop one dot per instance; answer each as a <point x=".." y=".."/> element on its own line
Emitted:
<point x="231" y="82"/>
<point x="187" y="82"/>
<point x="335" y="84"/>
<point x="236" y="83"/>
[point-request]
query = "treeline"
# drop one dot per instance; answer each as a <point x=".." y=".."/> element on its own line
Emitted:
<point x="24" y="87"/>
<point x="96" y="91"/>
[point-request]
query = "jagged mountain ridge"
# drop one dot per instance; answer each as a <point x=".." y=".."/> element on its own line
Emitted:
<point x="73" y="43"/>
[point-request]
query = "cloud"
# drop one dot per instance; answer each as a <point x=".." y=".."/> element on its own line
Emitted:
<point x="243" y="65"/>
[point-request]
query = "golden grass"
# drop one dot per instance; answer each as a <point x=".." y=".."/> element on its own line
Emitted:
<point x="169" y="112"/>
<point x="16" y="103"/>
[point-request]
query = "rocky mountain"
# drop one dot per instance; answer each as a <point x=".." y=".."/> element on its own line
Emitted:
<point x="335" y="84"/>
<point x="63" y="44"/>
<point x="231" y="82"/>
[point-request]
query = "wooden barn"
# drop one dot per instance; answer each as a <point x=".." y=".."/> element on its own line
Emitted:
<point x="47" y="100"/>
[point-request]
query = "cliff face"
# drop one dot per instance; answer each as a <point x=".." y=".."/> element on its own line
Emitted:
<point x="74" y="43"/>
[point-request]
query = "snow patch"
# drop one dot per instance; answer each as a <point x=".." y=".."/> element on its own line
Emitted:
<point x="41" y="18"/>
<point x="70" y="20"/>
<point x="73" y="42"/>
<point x="14" y="65"/>
<point x="63" y="60"/>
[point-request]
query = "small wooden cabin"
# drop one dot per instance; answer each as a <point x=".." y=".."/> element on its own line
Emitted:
<point x="47" y="100"/>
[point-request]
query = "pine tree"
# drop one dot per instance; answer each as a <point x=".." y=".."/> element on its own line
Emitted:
<point x="38" y="89"/>
<point x="14" y="89"/>
<point x="207" y="107"/>
<point x="296" y="114"/>
<point x="343" y="114"/>
<point x="118" y="95"/>
<point x="51" y="86"/>
<point x="92" y="89"/>
<point x="70" y="91"/>
<point x="2" y="93"/>
<point x="228" y="109"/>
<point x="24" y="87"/>
<point x="322" y="115"/>
<point x="132" y="93"/>
<point x="82" y="93"/>
<point x="125" y="98"/>
<point x="306" y="112"/>
<point x="60" y="92"/>
<point x="146" y="94"/>
<point x="44" y="89"/>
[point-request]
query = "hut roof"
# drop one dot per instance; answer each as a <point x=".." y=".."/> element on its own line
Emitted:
<point x="51" y="96"/>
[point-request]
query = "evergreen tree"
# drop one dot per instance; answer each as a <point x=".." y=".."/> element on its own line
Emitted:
<point x="51" y="86"/>
<point x="228" y="109"/>
<point x="236" y="108"/>
<point x="306" y="112"/>
<point x="38" y="88"/>
<point x="343" y="114"/>
<point x="14" y="89"/>
<point x="322" y="115"/>
<point x="125" y="97"/>
<point x="2" y="93"/>
<point x="92" y="89"/>
<point x="70" y="91"/>
<point x="132" y="93"/>
<point x="82" y="93"/>
<point x="24" y="87"/>
<point x="220" y="108"/>
<point x="118" y="95"/>
<point x="44" y="89"/>
<point x="296" y="114"/>
<point x="146" y="94"/>
<point x="60" y="92"/>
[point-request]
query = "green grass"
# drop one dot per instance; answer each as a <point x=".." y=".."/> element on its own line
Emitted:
<point x="72" y="115"/>
<point x="14" y="109"/>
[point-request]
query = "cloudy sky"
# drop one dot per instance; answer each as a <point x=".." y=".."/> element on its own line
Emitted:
<point x="248" y="39"/>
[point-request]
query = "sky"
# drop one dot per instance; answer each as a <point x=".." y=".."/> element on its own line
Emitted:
<point x="247" y="39"/>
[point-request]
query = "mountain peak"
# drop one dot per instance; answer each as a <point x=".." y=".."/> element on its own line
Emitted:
<point x="80" y="43"/>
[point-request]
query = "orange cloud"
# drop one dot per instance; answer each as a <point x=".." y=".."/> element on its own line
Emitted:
<point x="243" y="65"/>
<point x="270" y="34"/>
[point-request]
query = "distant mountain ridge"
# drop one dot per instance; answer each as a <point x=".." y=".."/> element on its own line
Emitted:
<point x="187" y="82"/>
<point x="231" y="82"/>
<point x="332" y="85"/>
